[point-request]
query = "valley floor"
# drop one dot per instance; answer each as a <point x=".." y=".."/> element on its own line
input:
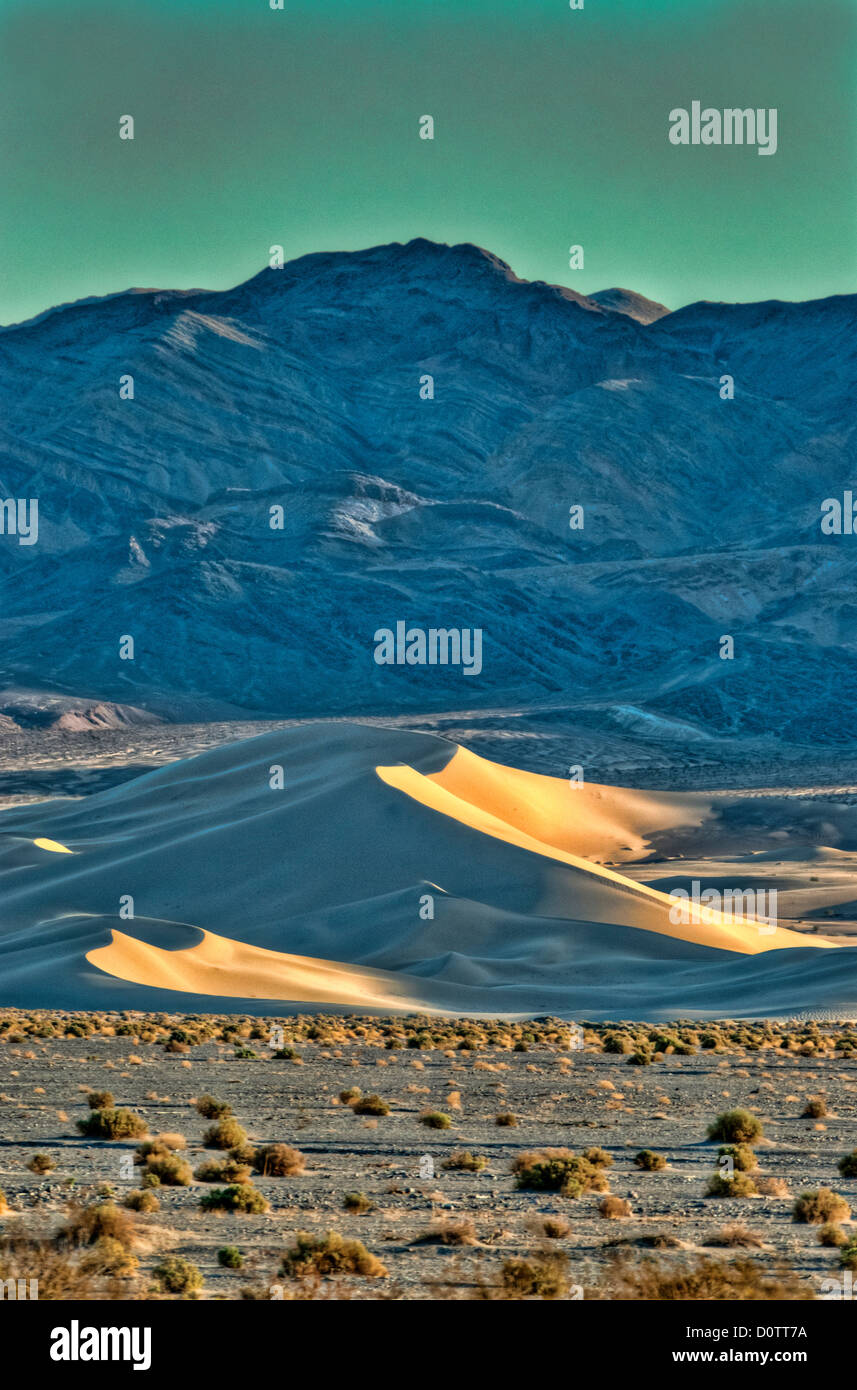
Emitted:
<point x="439" y="1232"/>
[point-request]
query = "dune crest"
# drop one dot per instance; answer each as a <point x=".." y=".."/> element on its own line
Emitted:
<point x="231" y="969"/>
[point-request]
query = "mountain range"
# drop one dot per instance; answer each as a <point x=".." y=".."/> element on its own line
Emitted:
<point x="306" y="389"/>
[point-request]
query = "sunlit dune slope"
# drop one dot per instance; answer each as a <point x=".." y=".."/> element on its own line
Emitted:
<point x="587" y="819"/>
<point x="479" y="794"/>
<point x="230" y="969"/>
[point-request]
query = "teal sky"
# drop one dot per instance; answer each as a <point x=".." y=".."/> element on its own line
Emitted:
<point x="257" y="127"/>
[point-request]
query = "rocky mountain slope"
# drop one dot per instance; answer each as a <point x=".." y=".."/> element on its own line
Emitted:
<point x="301" y="389"/>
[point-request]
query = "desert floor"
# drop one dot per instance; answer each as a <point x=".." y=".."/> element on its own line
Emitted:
<point x="451" y="1234"/>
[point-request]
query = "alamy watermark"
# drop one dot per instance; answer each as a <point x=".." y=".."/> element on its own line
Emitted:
<point x="731" y="126"/>
<point x="434" y="646"/>
<point x="19" y="516"/>
<point x="709" y="905"/>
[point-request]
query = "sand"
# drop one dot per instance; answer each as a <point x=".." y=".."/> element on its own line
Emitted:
<point x="391" y="870"/>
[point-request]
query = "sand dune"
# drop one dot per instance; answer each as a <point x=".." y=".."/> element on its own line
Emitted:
<point x="390" y="871"/>
<point x="228" y="969"/>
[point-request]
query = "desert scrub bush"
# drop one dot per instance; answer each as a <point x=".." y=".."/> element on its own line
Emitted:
<point x="240" y="1196"/>
<point x="554" y="1227"/>
<point x="664" y="1280"/>
<point x="357" y="1202"/>
<point x="463" y="1161"/>
<point x="558" y="1170"/>
<point x="4" y="1205"/>
<point x="736" y="1234"/>
<point x="506" y="1120"/>
<point x="86" y="1225"/>
<point x="641" y="1057"/>
<point x="742" y="1156"/>
<point x="815" y="1108"/>
<point x="212" y="1109"/>
<point x="61" y="1274"/>
<point x="370" y="1105"/>
<point x="820" y="1205"/>
<point x="848" y="1254"/>
<point x="230" y="1257"/>
<point x="113" y="1124"/>
<point x="649" y="1161"/>
<point x="109" y="1256"/>
<point x="329" y="1254"/>
<point x="175" y="1275"/>
<point x="614" y="1208"/>
<point x="41" y="1163"/>
<point x="736" y="1127"/>
<point x="737" y="1184"/>
<point x="848" y="1165"/>
<point x="350" y="1095"/>
<point x="545" y="1276"/>
<point x="599" y="1157"/>
<point x="142" y="1199"/>
<point x="222" y="1170"/>
<point x="226" y="1134"/>
<point x="169" y="1169"/>
<point x="172" y="1143"/>
<point x="435" y="1119"/>
<point x="460" y="1231"/>
<point x="773" y="1187"/>
<point x="243" y="1153"/>
<point x="287" y="1054"/>
<point x="832" y="1235"/>
<point x="278" y="1161"/>
<point x="100" y="1100"/>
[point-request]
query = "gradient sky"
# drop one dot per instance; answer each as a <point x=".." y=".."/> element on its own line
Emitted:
<point x="300" y="128"/>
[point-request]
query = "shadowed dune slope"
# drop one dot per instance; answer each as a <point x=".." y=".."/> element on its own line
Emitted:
<point x="390" y="870"/>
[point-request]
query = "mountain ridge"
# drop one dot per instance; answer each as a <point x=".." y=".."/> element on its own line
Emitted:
<point x="301" y="388"/>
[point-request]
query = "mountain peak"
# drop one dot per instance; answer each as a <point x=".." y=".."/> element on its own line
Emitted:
<point x="631" y="304"/>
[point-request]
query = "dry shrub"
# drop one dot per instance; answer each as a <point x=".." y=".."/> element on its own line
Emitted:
<point x="113" y="1124"/>
<point x="169" y="1169"/>
<point x="614" y="1208"/>
<point x="226" y="1134"/>
<point x="278" y="1161"/>
<point x="815" y="1108"/>
<point x="140" y="1200"/>
<point x="832" y="1235"/>
<point x="61" y="1274"/>
<point x="820" y="1205"/>
<point x="705" y="1278"/>
<point x="543" y="1276"/>
<point x="553" y="1227"/>
<point x="222" y="1170"/>
<point x="435" y="1119"/>
<point x="736" y="1234"/>
<point x="649" y="1161"/>
<point x="86" y="1225"/>
<point x="41" y="1163"/>
<point x="737" y="1185"/>
<point x="212" y="1109"/>
<point x="460" y="1231"/>
<point x="773" y="1187"/>
<point x="240" y="1196"/>
<point x="462" y="1161"/>
<point x="736" y="1127"/>
<point x="370" y="1105"/>
<point x="329" y="1254"/>
<point x="558" y="1170"/>
<point x="175" y="1275"/>
<point x="100" y="1100"/>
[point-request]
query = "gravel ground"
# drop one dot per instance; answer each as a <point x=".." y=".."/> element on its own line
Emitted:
<point x="560" y="1099"/>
